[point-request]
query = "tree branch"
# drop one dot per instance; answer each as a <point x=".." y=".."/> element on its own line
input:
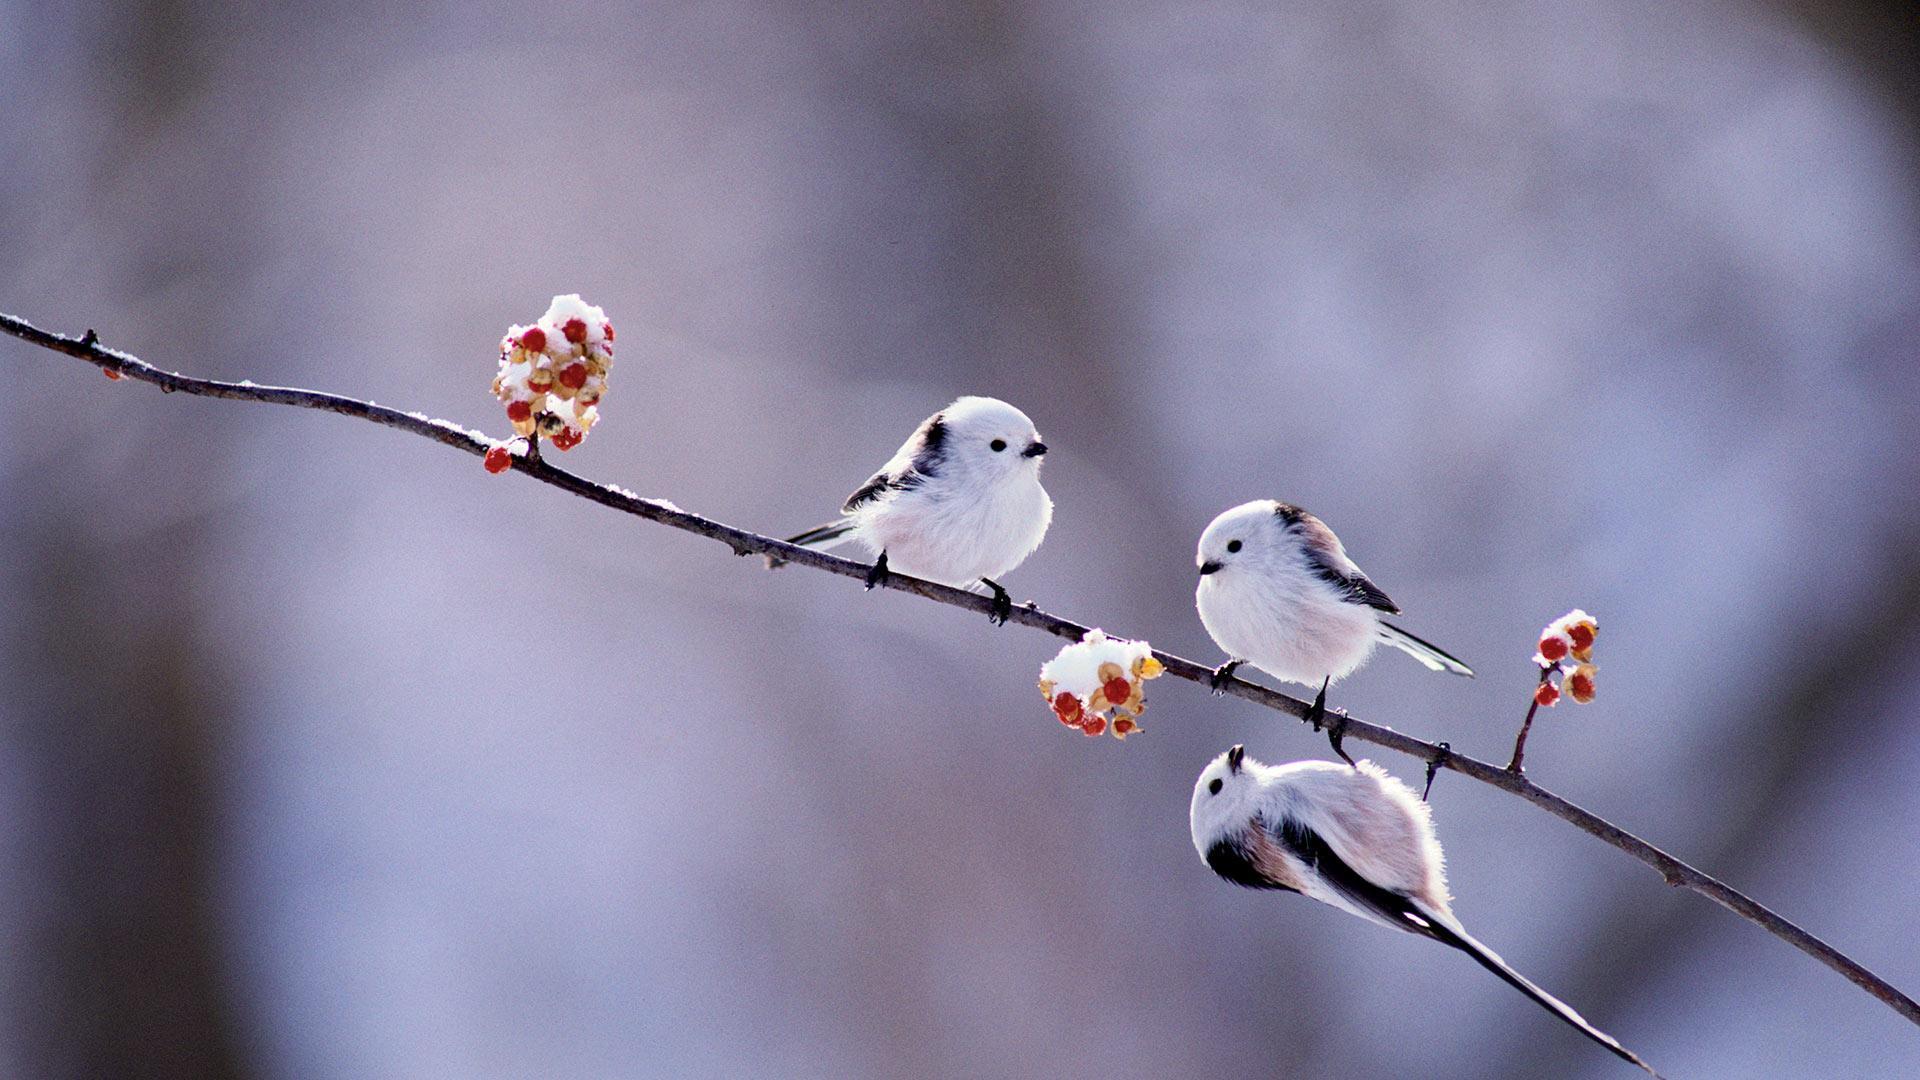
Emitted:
<point x="1512" y="781"/>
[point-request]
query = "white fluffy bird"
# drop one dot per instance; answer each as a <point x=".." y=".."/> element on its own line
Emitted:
<point x="1351" y="836"/>
<point x="960" y="503"/>
<point x="1278" y="591"/>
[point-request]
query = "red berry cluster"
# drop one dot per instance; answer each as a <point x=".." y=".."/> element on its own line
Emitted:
<point x="554" y="373"/>
<point x="1099" y="684"/>
<point x="1566" y="650"/>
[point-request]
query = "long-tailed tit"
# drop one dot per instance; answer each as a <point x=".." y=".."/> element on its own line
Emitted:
<point x="960" y="503"/>
<point x="1352" y="836"/>
<point x="1278" y="591"/>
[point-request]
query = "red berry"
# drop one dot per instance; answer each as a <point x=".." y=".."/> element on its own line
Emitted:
<point x="575" y="330"/>
<point x="573" y="376"/>
<point x="498" y="459"/>
<point x="540" y="387"/>
<point x="566" y="438"/>
<point x="111" y="374"/>
<point x="518" y="411"/>
<point x="1582" y="635"/>
<point x="1123" y="726"/>
<point x="1580" y="686"/>
<point x="1548" y="694"/>
<point x="534" y="340"/>
<point x="1553" y="647"/>
<point x="608" y="331"/>
<point x="1093" y="725"/>
<point x="1118" y="690"/>
<point x="1066" y="707"/>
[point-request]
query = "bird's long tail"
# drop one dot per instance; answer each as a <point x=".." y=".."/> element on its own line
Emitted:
<point x="1423" y="651"/>
<point x="825" y="536"/>
<point x="1448" y="932"/>
<point x="832" y="534"/>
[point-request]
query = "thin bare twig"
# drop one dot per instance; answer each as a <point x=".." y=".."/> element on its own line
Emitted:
<point x="1520" y="741"/>
<point x="1512" y="781"/>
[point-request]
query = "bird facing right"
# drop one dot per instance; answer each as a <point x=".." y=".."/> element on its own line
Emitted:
<point x="1353" y="837"/>
<point x="960" y="503"/>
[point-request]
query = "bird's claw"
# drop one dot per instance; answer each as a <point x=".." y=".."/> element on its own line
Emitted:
<point x="1217" y="682"/>
<point x="879" y="574"/>
<point x="1336" y="733"/>
<point x="1433" y="768"/>
<point x="1317" y="712"/>
<point x="1336" y="722"/>
<point x="1002" y="603"/>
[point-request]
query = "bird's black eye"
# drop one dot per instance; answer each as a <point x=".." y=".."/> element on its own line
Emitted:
<point x="1233" y="546"/>
<point x="998" y="445"/>
<point x="1214" y="788"/>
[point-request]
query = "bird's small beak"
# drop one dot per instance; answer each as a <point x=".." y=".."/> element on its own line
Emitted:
<point x="1234" y="756"/>
<point x="1036" y="448"/>
<point x="1210" y="566"/>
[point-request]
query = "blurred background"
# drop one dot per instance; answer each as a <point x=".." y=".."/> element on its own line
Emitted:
<point x="325" y="754"/>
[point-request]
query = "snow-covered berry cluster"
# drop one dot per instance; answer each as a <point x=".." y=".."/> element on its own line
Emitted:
<point x="554" y="373"/>
<point x="1099" y="684"/>
<point x="1566" y="650"/>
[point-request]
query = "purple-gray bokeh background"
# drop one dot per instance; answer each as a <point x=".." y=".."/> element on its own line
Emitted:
<point x="324" y="754"/>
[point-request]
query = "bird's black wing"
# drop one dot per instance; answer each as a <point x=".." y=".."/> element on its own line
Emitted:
<point x="1395" y="909"/>
<point x="879" y="484"/>
<point x="1327" y="560"/>
<point x="920" y="458"/>
<point x="1353" y="586"/>
<point x="1238" y="858"/>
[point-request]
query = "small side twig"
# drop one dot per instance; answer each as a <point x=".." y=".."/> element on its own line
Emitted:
<point x="1520" y="743"/>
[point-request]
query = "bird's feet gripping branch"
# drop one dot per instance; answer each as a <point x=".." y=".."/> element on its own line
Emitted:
<point x="879" y="574"/>
<point x="1002" y="603"/>
<point x="1222" y="675"/>
<point x="1335" y="721"/>
<point x="1434" y="766"/>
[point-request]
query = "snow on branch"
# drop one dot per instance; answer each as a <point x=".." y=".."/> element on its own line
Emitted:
<point x="1436" y="755"/>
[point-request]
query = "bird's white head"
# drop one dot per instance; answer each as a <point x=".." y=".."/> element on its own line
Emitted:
<point x="1225" y="798"/>
<point x="1252" y="535"/>
<point x="990" y="439"/>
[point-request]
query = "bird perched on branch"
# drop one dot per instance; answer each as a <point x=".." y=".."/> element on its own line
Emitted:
<point x="960" y="503"/>
<point x="1351" y="836"/>
<point x="1278" y="591"/>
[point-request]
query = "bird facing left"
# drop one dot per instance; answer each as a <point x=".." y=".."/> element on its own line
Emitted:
<point x="1350" y="836"/>
<point x="1277" y="590"/>
<point x="960" y="503"/>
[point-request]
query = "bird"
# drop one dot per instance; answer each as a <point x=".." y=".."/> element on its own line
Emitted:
<point x="960" y="503"/>
<point x="1277" y="590"/>
<point x="1354" y="837"/>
